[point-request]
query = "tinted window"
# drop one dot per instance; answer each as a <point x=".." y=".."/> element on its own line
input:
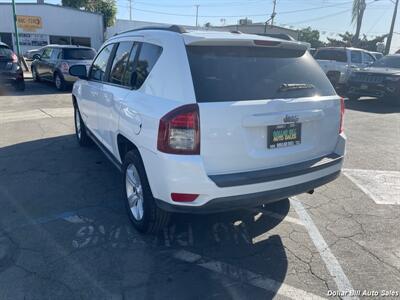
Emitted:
<point x="5" y="52"/>
<point x="388" y="62"/>
<point x="55" y="53"/>
<point x="248" y="73"/>
<point x="129" y="77"/>
<point x="331" y="54"/>
<point x="148" y="56"/>
<point x="119" y="64"/>
<point x="356" y="57"/>
<point x="368" y="58"/>
<point x="99" y="67"/>
<point x="78" y="54"/>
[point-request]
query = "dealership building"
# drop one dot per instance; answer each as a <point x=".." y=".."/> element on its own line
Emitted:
<point x="40" y="24"/>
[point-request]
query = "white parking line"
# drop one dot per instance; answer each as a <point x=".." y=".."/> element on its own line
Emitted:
<point x="35" y="114"/>
<point x="383" y="187"/>
<point x="248" y="277"/>
<point x="331" y="263"/>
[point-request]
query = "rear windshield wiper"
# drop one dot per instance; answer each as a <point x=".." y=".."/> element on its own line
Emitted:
<point x="295" y="86"/>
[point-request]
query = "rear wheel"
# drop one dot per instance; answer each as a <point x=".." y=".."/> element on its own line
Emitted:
<point x="59" y="82"/>
<point x="142" y="209"/>
<point x="80" y="129"/>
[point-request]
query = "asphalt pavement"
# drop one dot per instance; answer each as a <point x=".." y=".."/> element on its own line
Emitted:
<point x="64" y="232"/>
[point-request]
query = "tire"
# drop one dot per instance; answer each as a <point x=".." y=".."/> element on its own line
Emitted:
<point x="20" y="85"/>
<point x="59" y="82"/>
<point x="80" y="129"/>
<point x="35" y="75"/>
<point x="142" y="210"/>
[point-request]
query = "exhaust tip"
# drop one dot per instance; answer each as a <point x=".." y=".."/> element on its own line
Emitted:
<point x="310" y="192"/>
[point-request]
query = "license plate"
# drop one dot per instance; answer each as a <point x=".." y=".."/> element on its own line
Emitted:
<point x="284" y="135"/>
<point x="364" y="87"/>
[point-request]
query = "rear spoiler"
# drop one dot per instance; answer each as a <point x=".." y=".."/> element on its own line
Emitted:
<point x="282" y="44"/>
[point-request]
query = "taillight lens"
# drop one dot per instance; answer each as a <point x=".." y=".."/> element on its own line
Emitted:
<point x="14" y="58"/>
<point x="341" y="127"/>
<point x="179" y="131"/>
<point x="64" y="67"/>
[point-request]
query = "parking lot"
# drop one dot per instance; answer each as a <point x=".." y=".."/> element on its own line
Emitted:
<point x="64" y="232"/>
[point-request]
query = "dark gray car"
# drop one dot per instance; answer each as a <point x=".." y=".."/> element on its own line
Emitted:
<point x="54" y="62"/>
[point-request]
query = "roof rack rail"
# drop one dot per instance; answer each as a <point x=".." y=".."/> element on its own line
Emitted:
<point x="172" y="28"/>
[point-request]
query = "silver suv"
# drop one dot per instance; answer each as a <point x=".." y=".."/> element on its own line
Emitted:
<point x="55" y="60"/>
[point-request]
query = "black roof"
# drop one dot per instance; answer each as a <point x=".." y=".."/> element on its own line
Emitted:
<point x="172" y="28"/>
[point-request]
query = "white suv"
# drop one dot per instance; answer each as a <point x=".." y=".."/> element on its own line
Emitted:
<point x="208" y="121"/>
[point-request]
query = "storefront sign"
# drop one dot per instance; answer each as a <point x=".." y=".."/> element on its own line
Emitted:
<point x="29" y="23"/>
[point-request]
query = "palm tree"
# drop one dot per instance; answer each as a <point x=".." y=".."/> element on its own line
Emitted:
<point x="357" y="15"/>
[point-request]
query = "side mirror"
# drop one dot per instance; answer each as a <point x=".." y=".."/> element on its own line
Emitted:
<point x="78" y="71"/>
<point x="37" y="56"/>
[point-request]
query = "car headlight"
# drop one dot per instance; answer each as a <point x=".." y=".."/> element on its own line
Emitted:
<point x="392" y="78"/>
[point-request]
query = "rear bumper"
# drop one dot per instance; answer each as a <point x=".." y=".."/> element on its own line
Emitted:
<point x="373" y="89"/>
<point x="186" y="174"/>
<point x="249" y="200"/>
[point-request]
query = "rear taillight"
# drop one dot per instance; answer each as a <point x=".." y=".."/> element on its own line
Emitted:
<point x="64" y="67"/>
<point x="341" y="128"/>
<point x="14" y="58"/>
<point x="179" y="131"/>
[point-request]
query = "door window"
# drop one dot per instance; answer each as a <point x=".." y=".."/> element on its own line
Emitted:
<point x="148" y="57"/>
<point x="129" y="78"/>
<point x="356" y="57"/>
<point x="368" y="58"/>
<point x="46" y="53"/>
<point x="99" y="67"/>
<point x="119" y="63"/>
<point x="55" y="53"/>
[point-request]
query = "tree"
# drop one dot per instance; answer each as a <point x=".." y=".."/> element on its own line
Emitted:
<point x="348" y="38"/>
<point x="357" y="15"/>
<point x="107" y="8"/>
<point x="310" y="36"/>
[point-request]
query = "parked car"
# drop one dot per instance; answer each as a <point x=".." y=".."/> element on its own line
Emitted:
<point x="30" y="53"/>
<point x="377" y="55"/>
<point x="10" y="69"/>
<point x="54" y="62"/>
<point x="339" y="62"/>
<point x="381" y="79"/>
<point x="205" y="122"/>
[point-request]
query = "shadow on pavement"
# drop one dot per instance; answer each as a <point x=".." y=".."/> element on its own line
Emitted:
<point x="372" y="105"/>
<point x="32" y="88"/>
<point x="71" y="237"/>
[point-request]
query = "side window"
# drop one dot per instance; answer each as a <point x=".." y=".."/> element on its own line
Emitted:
<point x="55" y="53"/>
<point x="99" y="66"/>
<point x="368" y="58"/>
<point x="148" y="57"/>
<point x="356" y="57"/>
<point x="119" y="63"/>
<point x="129" y="77"/>
<point x="46" y="53"/>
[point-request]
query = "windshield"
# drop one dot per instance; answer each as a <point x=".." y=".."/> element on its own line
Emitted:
<point x="388" y="62"/>
<point x="78" y="54"/>
<point x="223" y="73"/>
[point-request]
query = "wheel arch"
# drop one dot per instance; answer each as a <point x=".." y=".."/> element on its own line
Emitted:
<point x="125" y="145"/>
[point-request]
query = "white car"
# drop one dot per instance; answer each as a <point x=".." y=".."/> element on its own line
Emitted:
<point x="339" y="62"/>
<point x="205" y="122"/>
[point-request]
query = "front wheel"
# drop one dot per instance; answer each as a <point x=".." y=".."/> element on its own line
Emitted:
<point x="80" y="129"/>
<point x="144" y="213"/>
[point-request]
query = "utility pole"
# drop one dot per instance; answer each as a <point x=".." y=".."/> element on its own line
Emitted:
<point x="390" y="36"/>
<point x="16" y="29"/>
<point x="273" y="14"/>
<point x="130" y="10"/>
<point x="197" y="15"/>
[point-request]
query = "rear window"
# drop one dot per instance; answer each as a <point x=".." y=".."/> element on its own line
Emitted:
<point x="226" y="73"/>
<point x="329" y="54"/>
<point x="78" y="54"/>
<point x="5" y="52"/>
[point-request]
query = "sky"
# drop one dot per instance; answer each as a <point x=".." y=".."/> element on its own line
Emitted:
<point x="331" y="17"/>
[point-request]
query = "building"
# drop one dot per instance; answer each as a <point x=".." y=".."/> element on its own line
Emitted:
<point x="40" y="24"/>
